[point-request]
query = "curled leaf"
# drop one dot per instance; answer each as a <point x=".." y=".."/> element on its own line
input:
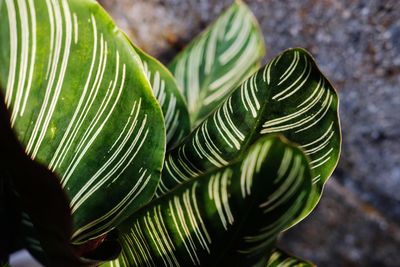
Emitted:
<point x="230" y="216"/>
<point x="214" y="63"/>
<point x="290" y="96"/>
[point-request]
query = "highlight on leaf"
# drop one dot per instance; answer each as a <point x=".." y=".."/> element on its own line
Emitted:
<point x="214" y="63"/>
<point x="81" y="105"/>
<point x="290" y="96"/>
<point x="228" y="216"/>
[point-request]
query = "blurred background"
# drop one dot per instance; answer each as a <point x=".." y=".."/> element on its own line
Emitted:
<point x="357" y="45"/>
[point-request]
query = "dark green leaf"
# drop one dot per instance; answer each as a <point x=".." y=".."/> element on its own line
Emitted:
<point x="176" y="116"/>
<point x="217" y="61"/>
<point x="280" y="258"/>
<point x="109" y="249"/>
<point x="81" y="105"/>
<point x="291" y="96"/>
<point x="227" y="217"/>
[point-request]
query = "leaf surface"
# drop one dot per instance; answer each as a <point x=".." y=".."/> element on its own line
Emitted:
<point x="81" y="105"/>
<point x="230" y="216"/>
<point x="165" y="89"/>
<point x="213" y="64"/>
<point x="280" y="258"/>
<point x="291" y="96"/>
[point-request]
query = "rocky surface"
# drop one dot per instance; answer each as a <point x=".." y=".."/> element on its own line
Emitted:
<point x="345" y="231"/>
<point x="357" y="44"/>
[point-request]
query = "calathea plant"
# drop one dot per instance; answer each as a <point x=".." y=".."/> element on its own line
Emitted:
<point x="109" y="158"/>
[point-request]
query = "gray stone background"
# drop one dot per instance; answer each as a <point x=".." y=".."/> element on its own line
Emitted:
<point x="357" y="45"/>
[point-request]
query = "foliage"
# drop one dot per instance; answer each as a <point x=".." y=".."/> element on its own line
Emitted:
<point x="108" y="155"/>
<point x="280" y="258"/>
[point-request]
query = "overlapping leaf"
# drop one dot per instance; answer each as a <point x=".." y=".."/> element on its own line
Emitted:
<point x="218" y="60"/>
<point x="176" y="116"/>
<point x="228" y="217"/>
<point x="34" y="189"/>
<point x="290" y="96"/>
<point x="80" y="104"/>
<point x="280" y="258"/>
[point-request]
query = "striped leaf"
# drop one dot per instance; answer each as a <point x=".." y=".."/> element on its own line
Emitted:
<point x="290" y="96"/>
<point x="81" y="104"/>
<point x="176" y="116"/>
<point x="225" y="54"/>
<point x="227" y="217"/>
<point x="280" y="258"/>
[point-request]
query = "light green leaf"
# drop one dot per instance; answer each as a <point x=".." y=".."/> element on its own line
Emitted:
<point x="81" y="104"/>
<point x="217" y="61"/>
<point x="290" y="96"/>
<point x="280" y="258"/>
<point x="176" y="116"/>
<point x="227" y="217"/>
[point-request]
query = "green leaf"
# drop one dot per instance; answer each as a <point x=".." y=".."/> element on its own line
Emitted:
<point x="280" y="258"/>
<point x="176" y="116"/>
<point x="81" y="104"/>
<point x="212" y="65"/>
<point x="227" y="217"/>
<point x="291" y="96"/>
